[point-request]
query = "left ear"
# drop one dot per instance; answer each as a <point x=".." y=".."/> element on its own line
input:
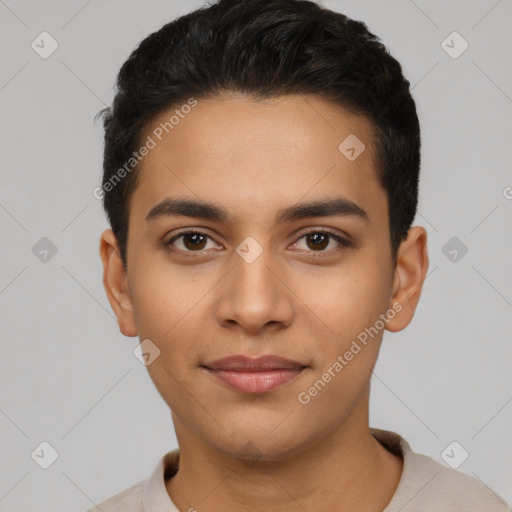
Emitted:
<point x="410" y="272"/>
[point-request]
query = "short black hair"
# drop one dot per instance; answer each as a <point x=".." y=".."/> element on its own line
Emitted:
<point x="264" y="49"/>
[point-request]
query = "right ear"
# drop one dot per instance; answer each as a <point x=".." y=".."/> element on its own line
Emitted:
<point x="115" y="281"/>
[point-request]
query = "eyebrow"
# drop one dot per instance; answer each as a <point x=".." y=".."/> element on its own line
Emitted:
<point x="339" y="207"/>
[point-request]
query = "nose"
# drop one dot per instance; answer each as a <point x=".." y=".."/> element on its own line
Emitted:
<point x="254" y="296"/>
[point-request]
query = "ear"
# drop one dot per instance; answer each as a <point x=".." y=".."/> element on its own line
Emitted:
<point x="410" y="272"/>
<point x="115" y="281"/>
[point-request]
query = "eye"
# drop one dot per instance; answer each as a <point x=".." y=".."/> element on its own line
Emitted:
<point x="318" y="240"/>
<point x="191" y="241"/>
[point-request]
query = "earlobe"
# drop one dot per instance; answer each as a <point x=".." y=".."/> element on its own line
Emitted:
<point x="410" y="272"/>
<point x="115" y="283"/>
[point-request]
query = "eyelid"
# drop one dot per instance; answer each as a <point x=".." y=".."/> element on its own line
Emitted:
<point x="343" y="240"/>
<point x="186" y="231"/>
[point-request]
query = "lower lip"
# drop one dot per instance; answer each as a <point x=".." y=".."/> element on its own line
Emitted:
<point x="256" y="382"/>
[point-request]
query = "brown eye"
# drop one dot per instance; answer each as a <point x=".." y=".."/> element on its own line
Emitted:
<point x="194" y="241"/>
<point x="317" y="240"/>
<point x="189" y="241"/>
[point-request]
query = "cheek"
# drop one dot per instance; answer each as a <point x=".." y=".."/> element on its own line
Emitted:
<point x="345" y="300"/>
<point x="164" y="298"/>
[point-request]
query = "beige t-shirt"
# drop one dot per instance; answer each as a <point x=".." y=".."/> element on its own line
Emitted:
<point x="425" y="486"/>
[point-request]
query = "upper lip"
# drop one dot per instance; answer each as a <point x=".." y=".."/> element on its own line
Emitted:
<point x="262" y="363"/>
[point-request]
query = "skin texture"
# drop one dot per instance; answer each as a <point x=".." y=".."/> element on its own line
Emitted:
<point x="242" y="452"/>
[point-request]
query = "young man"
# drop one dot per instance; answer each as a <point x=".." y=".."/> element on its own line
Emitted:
<point x="260" y="178"/>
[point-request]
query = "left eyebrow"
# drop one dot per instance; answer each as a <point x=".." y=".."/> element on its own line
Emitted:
<point x="340" y="207"/>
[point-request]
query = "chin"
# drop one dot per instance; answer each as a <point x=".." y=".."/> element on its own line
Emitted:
<point x="257" y="445"/>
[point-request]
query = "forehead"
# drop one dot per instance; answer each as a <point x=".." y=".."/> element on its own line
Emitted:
<point x="259" y="155"/>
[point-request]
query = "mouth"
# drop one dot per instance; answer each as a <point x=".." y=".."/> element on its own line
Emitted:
<point x="248" y="375"/>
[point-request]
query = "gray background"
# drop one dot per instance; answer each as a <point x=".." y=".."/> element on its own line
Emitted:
<point x="70" y="378"/>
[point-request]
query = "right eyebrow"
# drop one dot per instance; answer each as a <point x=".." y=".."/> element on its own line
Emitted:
<point x="188" y="208"/>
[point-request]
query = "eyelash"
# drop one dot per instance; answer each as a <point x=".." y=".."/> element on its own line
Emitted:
<point x="342" y="241"/>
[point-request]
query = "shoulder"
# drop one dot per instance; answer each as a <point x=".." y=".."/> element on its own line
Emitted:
<point x="129" y="500"/>
<point x="449" y="489"/>
<point x="427" y="485"/>
<point x="147" y="495"/>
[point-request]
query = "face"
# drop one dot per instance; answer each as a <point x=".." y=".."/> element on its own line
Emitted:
<point x="258" y="273"/>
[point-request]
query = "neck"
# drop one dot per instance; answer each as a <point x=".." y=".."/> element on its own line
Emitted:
<point x="345" y="470"/>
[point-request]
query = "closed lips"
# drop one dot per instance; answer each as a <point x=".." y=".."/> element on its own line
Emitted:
<point x="241" y="363"/>
<point x="249" y="375"/>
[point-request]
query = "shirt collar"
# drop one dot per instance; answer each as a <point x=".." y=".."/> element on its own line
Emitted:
<point x="154" y="496"/>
